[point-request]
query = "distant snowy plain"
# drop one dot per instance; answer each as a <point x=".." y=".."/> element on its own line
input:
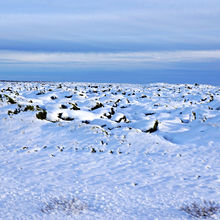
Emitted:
<point x="107" y="151"/>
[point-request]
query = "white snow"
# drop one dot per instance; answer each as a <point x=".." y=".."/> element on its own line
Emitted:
<point x="105" y="159"/>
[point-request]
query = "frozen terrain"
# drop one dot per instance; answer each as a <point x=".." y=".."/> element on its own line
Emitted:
<point x="107" y="151"/>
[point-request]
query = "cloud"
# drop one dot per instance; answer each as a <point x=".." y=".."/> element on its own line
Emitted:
<point x="37" y="37"/>
<point x="144" y="22"/>
<point x="131" y="58"/>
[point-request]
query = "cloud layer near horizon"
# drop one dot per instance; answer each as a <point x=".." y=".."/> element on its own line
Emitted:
<point x="136" y="58"/>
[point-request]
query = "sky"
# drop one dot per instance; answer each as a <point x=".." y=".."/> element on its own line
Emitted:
<point x="129" y="41"/>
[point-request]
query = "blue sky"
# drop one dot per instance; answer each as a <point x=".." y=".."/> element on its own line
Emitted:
<point x="110" y="41"/>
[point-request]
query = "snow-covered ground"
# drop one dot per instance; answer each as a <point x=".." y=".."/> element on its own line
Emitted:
<point x="107" y="151"/>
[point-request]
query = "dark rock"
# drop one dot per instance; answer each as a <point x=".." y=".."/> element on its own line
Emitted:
<point x="41" y="115"/>
<point x="153" y="129"/>
<point x="63" y="107"/>
<point x="98" y="105"/>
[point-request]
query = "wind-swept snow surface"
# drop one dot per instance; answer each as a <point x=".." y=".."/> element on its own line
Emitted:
<point x="107" y="151"/>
